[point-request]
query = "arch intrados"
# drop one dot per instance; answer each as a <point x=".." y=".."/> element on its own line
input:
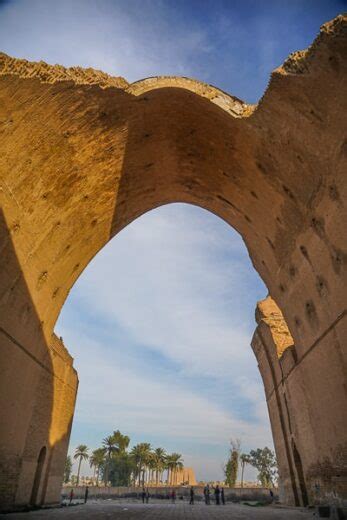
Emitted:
<point x="212" y="170"/>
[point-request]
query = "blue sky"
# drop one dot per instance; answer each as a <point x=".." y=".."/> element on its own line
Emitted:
<point x="160" y="322"/>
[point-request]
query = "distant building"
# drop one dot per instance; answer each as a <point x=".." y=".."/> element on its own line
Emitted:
<point x="185" y="476"/>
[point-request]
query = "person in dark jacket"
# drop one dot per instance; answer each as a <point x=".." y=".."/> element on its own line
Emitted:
<point x="143" y="495"/>
<point x="191" y="502"/>
<point x="86" y="493"/>
<point x="217" y="495"/>
<point x="222" y="496"/>
<point x="207" y="495"/>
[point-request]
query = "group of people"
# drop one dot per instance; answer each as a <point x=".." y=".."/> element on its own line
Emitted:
<point x="218" y="495"/>
<point x="217" y="491"/>
<point x="145" y="495"/>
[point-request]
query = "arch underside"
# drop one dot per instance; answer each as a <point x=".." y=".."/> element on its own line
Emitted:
<point x="83" y="154"/>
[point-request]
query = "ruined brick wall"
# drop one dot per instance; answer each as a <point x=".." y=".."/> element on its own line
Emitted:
<point x="82" y="155"/>
<point x="309" y="440"/>
<point x="51" y="407"/>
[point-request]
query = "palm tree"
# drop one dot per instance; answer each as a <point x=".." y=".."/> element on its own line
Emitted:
<point x="171" y="465"/>
<point x="179" y="465"/>
<point x="244" y="458"/>
<point x="121" y="441"/>
<point x="81" y="453"/>
<point x="67" y="469"/>
<point x="151" y="465"/>
<point x="159" y="455"/>
<point x="174" y="462"/>
<point x="110" y="445"/>
<point x="97" y="460"/>
<point x="140" y="455"/>
<point x="168" y="464"/>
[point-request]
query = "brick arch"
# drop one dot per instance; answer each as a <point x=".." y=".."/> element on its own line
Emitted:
<point x="83" y="154"/>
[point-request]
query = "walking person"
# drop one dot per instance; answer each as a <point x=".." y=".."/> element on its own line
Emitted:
<point x="191" y="502"/>
<point x="71" y="496"/>
<point x="222" y="496"/>
<point x="143" y="495"/>
<point x="86" y="493"/>
<point x="217" y="495"/>
<point x="205" y="494"/>
<point x="147" y="496"/>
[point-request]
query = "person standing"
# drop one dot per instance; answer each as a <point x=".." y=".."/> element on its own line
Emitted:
<point x="222" y="496"/>
<point x="143" y="494"/>
<point x="208" y="494"/>
<point x="217" y="495"/>
<point x="147" y="496"/>
<point x="86" y="493"/>
<point x="173" y="496"/>
<point x="71" y="496"/>
<point x="191" y="502"/>
<point x="205" y="494"/>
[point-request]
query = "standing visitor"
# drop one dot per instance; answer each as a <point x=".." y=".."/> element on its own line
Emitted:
<point x="191" y="496"/>
<point x="71" y="497"/>
<point x="217" y="494"/>
<point x="143" y="494"/>
<point x="147" y="496"/>
<point x="222" y="496"/>
<point x="207" y="494"/>
<point x="86" y="494"/>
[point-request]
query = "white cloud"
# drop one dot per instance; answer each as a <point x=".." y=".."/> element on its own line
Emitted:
<point x="135" y="39"/>
<point x="111" y="394"/>
<point x="165" y="279"/>
<point x="109" y="391"/>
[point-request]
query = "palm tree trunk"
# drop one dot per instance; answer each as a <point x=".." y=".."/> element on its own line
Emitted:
<point x="78" y="471"/>
<point x="139" y="474"/>
<point x="242" y="468"/>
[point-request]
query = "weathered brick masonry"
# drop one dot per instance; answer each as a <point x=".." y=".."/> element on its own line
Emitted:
<point x="83" y="154"/>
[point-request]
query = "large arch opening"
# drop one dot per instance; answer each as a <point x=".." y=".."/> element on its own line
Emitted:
<point x="84" y="154"/>
<point x="160" y="325"/>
